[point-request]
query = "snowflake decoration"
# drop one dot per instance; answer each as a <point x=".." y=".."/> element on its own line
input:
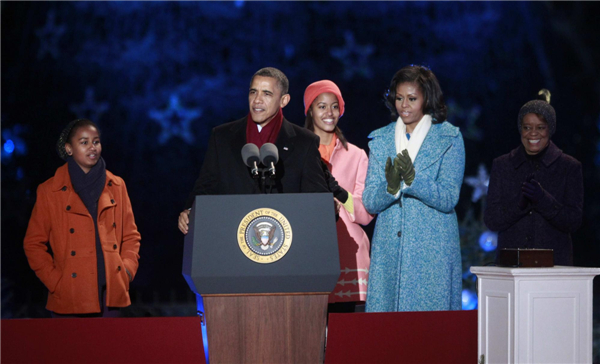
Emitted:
<point x="175" y="120"/>
<point x="479" y="183"/>
<point x="49" y="36"/>
<point x="89" y="108"/>
<point x="354" y="57"/>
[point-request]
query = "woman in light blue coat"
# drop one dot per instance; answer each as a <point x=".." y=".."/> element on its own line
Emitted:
<point x="416" y="168"/>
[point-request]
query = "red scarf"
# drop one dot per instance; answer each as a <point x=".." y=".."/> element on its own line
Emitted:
<point x="268" y="134"/>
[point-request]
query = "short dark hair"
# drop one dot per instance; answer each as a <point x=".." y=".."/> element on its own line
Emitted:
<point x="272" y="72"/>
<point x="434" y="104"/>
<point x="80" y="123"/>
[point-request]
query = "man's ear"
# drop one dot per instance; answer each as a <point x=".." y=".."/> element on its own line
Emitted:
<point x="285" y="99"/>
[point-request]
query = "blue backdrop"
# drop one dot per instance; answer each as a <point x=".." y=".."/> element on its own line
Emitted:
<point x="157" y="76"/>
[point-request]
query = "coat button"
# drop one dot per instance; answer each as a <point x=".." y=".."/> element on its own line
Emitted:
<point x="71" y="230"/>
<point x="112" y="201"/>
<point x="399" y="233"/>
<point x="115" y="246"/>
<point x="531" y="212"/>
<point x="68" y="207"/>
<point x="73" y="275"/>
<point x="119" y="268"/>
<point x="64" y="188"/>
<point x="114" y="224"/>
<point x="110" y="183"/>
<point x="73" y="253"/>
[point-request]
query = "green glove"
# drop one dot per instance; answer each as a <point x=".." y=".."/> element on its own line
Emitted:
<point x="407" y="170"/>
<point x="392" y="175"/>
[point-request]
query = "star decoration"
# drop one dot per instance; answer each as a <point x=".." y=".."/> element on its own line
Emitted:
<point x="89" y="108"/>
<point x="175" y="120"/>
<point x="49" y="36"/>
<point x="470" y="116"/>
<point x="354" y="57"/>
<point x="289" y="51"/>
<point x="479" y="183"/>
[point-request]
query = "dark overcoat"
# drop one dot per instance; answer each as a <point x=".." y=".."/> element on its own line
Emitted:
<point x="224" y="172"/>
<point x="547" y="224"/>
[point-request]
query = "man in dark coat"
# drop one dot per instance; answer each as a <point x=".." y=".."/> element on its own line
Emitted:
<point x="535" y="196"/>
<point x="224" y="172"/>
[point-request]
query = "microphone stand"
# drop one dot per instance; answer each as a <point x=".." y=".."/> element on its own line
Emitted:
<point x="263" y="178"/>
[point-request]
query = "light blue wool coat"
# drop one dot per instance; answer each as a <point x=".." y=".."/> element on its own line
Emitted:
<point x="415" y="257"/>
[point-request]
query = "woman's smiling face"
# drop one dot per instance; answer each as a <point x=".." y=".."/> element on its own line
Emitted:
<point x="325" y="111"/>
<point x="534" y="134"/>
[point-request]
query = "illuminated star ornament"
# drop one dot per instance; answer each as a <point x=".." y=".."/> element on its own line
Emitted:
<point x="354" y="57"/>
<point x="49" y="36"/>
<point x="479" y="183"/>
<point x="175" y="120"/>
<point x="89" y="108"/>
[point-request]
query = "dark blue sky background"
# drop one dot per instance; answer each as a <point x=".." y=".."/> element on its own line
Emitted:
<point x="157" y="76"/>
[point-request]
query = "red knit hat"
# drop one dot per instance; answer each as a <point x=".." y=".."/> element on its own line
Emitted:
<point x="316" y="88"/>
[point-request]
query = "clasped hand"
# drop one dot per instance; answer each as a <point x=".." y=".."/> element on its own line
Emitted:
<point x="531" y="190"/>
<point x="401" y="169"/>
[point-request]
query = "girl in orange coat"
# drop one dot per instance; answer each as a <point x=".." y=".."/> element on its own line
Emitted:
<point x="85" y="215"/>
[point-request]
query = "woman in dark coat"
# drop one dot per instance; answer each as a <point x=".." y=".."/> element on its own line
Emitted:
<point x="535" y="196"/>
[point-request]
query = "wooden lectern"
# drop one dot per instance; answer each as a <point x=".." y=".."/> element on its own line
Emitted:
<point x="262" y="267"/>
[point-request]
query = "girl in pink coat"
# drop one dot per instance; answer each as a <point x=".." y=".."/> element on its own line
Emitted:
<point x="323" y="106"/>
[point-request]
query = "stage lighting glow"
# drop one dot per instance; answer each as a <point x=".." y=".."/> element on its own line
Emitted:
<point x="488" y="241"/>
<point x="469" y="300"/>
<point x="9" y="146"/>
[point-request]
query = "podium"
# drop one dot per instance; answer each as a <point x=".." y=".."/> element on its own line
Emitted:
<point x="262" y="267"/>
<point x="535" y="315"/>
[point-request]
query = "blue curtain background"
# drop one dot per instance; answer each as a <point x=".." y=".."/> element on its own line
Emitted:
<point x="157" y="76"/>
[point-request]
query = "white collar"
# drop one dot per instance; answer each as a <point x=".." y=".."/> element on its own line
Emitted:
<point x="416" y="138"/>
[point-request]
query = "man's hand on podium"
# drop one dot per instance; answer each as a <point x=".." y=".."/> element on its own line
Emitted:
<point x="184" y="220"/>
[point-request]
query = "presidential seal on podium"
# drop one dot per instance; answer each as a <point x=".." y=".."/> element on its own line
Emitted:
<point x="264" y="235"/>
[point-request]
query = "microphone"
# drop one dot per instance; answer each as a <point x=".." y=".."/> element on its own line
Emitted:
<point x="269" y="156"/>
<point x="251" y="157"/>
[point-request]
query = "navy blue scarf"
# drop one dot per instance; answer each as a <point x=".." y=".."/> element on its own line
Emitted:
<point x="89" y="187"/>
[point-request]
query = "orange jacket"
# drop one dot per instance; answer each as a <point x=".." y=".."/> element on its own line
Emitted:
<point x="60" y="218"/>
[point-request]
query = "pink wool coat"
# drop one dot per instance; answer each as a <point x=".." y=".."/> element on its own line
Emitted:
<point x="349" y="167"/>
